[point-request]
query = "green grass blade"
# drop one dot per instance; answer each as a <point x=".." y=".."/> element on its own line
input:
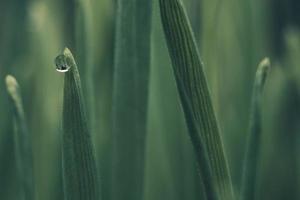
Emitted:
<point x="254" y="138"/>
<point x="79" y="166"/>
<point x="196" y="101"/>
<point x="130" y="97"/>
<point x="23" y="148"/>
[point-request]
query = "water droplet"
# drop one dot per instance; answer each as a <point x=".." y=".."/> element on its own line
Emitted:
<point x="61" y="64"/>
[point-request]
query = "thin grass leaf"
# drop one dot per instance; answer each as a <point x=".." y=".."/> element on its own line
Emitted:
<point x="130" y="97"/>
<point x="254" y="138"/>
<point x="13" y="22"/>
<point x="196" y="101"/>
<point x="79" y="166"/>
<point x="23" y="148"/>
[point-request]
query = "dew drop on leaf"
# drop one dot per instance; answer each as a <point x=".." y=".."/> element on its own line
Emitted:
<point x="61" y="64"/>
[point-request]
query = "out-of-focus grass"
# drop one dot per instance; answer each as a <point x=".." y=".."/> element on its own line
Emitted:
<point x="84" y="43"/>
<point x="22" y="142"/>
<point x="130" y="97"/>
<point x="12" y="26"/>
<point x="234" y="35"/>
<point x="282" y="127"/>
<point x="253" y="148"/>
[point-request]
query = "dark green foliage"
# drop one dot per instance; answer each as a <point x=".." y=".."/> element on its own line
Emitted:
<point x="140" y="125"/>
<point x="79" y="166"/>
<point x="196" y="102"/>
<point x="22" y="139"/>
<point x="130" y="97"/>
<point x="12" y="34"/>
<point x="84" y="42"/>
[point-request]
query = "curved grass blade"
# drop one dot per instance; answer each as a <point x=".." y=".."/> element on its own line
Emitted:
<point x="196" y="101"/>
<point x="23" y="148"/>
<point x="130" y="98"/>
<point x="79" y="166"/>
<point x="254" y="138"/>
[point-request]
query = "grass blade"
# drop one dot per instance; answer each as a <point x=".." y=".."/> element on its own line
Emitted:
<point x="254" y="138"/>
<point x="79" y="166"/>
<point x="130" y="97"/>
<point x="196" y="101"/>
<point x="23" y="148"/>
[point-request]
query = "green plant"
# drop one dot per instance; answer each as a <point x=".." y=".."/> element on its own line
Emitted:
<point x="196" y="101"/>
<point x="22" y="139"/>
<point x="130" y="97"/>
<point x="79" y="166"/>
<point x="84" y="49"/>
<point x="146" y="102"/>
<point x="255" y="131"/>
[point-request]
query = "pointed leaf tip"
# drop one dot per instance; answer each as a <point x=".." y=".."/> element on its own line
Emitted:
<point x="265" y="64"/>
<point x="263" y="69"/>
<point x="11" y="85"/>
<point x="67" y="52"/>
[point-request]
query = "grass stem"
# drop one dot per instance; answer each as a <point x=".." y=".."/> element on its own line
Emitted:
<point x="254" y="137"/>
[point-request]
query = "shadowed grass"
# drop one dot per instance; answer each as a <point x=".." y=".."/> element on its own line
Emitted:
<point x="254" y="138"/>
<point x="22" y="139"/>
<point x="84" y="44"/>
<point x="130" y="97"/>
<point x="79" y="166"/>
<point x="196" y="101"/>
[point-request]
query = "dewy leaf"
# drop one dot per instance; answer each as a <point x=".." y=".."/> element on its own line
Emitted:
<point x="196" y="101"/>
<point x="130" y="98"/>
<point x="79" y="166"/>
<point x="23" y="148"/>
<point x="254" y="138"/>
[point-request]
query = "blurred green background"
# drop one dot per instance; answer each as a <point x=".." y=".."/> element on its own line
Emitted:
<point x="233" y="36"/>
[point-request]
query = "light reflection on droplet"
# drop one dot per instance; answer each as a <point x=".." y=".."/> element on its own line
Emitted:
<point x="61" y="64"/>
